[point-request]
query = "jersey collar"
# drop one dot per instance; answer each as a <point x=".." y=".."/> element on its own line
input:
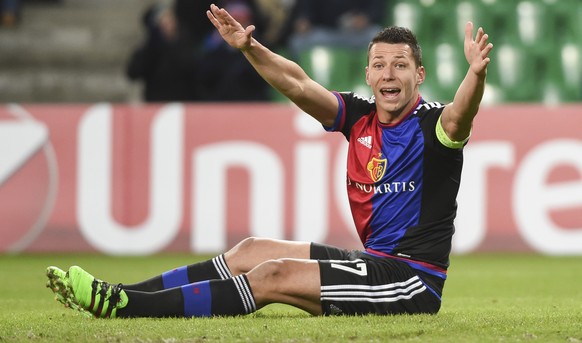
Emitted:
<point x="413" y="110"/>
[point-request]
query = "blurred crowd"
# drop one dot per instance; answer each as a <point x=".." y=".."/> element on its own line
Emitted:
<point x="183" y="58"/>
<point x="11" y="11"/>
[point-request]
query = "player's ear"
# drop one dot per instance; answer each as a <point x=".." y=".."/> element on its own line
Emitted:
<point x="420" y="75"/>
<point x="367" y="77"/>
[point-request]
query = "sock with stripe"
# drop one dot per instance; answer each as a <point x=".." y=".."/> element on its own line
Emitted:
<point x="218" y="298"/>
<point x="213" y="269"/>
<point x="229" y="297"/>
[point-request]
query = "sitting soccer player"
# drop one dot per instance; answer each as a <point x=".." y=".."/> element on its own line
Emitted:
<point x="403" y="172"/>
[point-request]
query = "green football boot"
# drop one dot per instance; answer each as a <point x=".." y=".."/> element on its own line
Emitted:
<point x="54" y="273"/>
<point x="92" y="295"/>
<point x="56" y="283"/>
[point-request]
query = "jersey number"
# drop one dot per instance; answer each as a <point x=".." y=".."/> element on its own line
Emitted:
<point x="360" y="268"/>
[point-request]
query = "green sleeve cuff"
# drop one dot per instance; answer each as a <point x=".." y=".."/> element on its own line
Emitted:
<point x="445" y="140"/>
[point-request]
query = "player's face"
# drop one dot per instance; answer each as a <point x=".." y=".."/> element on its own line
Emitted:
<point x="394" y="78"/>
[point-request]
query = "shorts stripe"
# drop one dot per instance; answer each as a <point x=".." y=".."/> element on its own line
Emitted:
<point x="346" y="261"/>
<point x="413" y="279"/>
<point x="381" y="293"/>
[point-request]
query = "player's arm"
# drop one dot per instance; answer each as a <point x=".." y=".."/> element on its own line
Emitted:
<point x="457" y="117"/>
<point x="284" y="75"/>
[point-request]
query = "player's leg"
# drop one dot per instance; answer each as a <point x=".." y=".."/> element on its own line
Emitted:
<point x="266" y="271"/>
<point x="290" y="281"/>
<point x="240" y="259"/>
<point x="293" y="282"/>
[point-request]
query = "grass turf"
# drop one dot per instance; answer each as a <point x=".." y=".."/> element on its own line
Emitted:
<point x="488" y="298"/>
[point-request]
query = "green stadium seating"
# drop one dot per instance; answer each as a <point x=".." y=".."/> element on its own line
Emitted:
<point x="537" y="54"/>
<point x="567" y="20"/>
<point x="411" y="14"/>
<point x="563" y="70"/>
<point x="335" y="68"/>
<point x="445" y="68"/>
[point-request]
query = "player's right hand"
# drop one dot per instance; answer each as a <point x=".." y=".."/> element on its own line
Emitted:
<point x="231" y="30"/>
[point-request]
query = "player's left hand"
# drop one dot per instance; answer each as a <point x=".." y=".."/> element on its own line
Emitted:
<point x="477" y="51"/>
<point x="231" y="30"/>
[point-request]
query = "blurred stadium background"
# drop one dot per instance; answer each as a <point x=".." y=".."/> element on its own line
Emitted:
<point x="76" y="50"/>
<point x="63" y="66"/>
<point x="67" y="109"/>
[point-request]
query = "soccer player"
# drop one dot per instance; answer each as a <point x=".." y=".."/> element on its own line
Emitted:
<point x="404" y="167"/>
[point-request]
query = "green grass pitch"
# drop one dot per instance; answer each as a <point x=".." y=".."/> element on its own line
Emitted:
<point x="488" y="298"/>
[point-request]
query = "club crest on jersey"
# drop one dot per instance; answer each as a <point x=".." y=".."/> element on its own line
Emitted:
<point x="377" y="168"/>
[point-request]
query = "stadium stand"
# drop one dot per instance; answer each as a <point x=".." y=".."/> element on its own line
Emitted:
<point x="70" y="51"/>
<point x="75" y="50"/>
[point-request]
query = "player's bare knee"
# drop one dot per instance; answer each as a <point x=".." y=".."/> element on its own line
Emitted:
<point x="243" y="247"/>
<point x="237" y="257"/>
<point x="272" y="273"/>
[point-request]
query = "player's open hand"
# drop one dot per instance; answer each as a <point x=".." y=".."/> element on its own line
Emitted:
<point x="477" y="51"/>
<point x="231" y="30"/>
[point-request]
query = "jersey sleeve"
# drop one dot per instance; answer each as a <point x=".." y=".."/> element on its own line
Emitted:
<point x="340" y="117"/>
<point x="351" y="107"/>
<point x="430" y="114"/>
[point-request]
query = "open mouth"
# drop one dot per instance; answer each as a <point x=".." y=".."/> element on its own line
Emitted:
<point x="390" y="92"/>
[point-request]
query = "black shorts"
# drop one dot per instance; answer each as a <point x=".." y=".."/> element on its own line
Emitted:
<point x="355" y="283"/>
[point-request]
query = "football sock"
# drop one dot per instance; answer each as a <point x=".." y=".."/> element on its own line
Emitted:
<point x="166" y="303"/>
<point x="213" y="269"/>
<point x="229" y="297"/>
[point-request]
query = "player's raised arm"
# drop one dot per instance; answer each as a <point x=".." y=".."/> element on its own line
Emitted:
<point x="284" y="75"/>
<point x="457" y="118"/>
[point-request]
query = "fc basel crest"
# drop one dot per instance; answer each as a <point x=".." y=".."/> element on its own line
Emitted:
<point x="377" y="167"/>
